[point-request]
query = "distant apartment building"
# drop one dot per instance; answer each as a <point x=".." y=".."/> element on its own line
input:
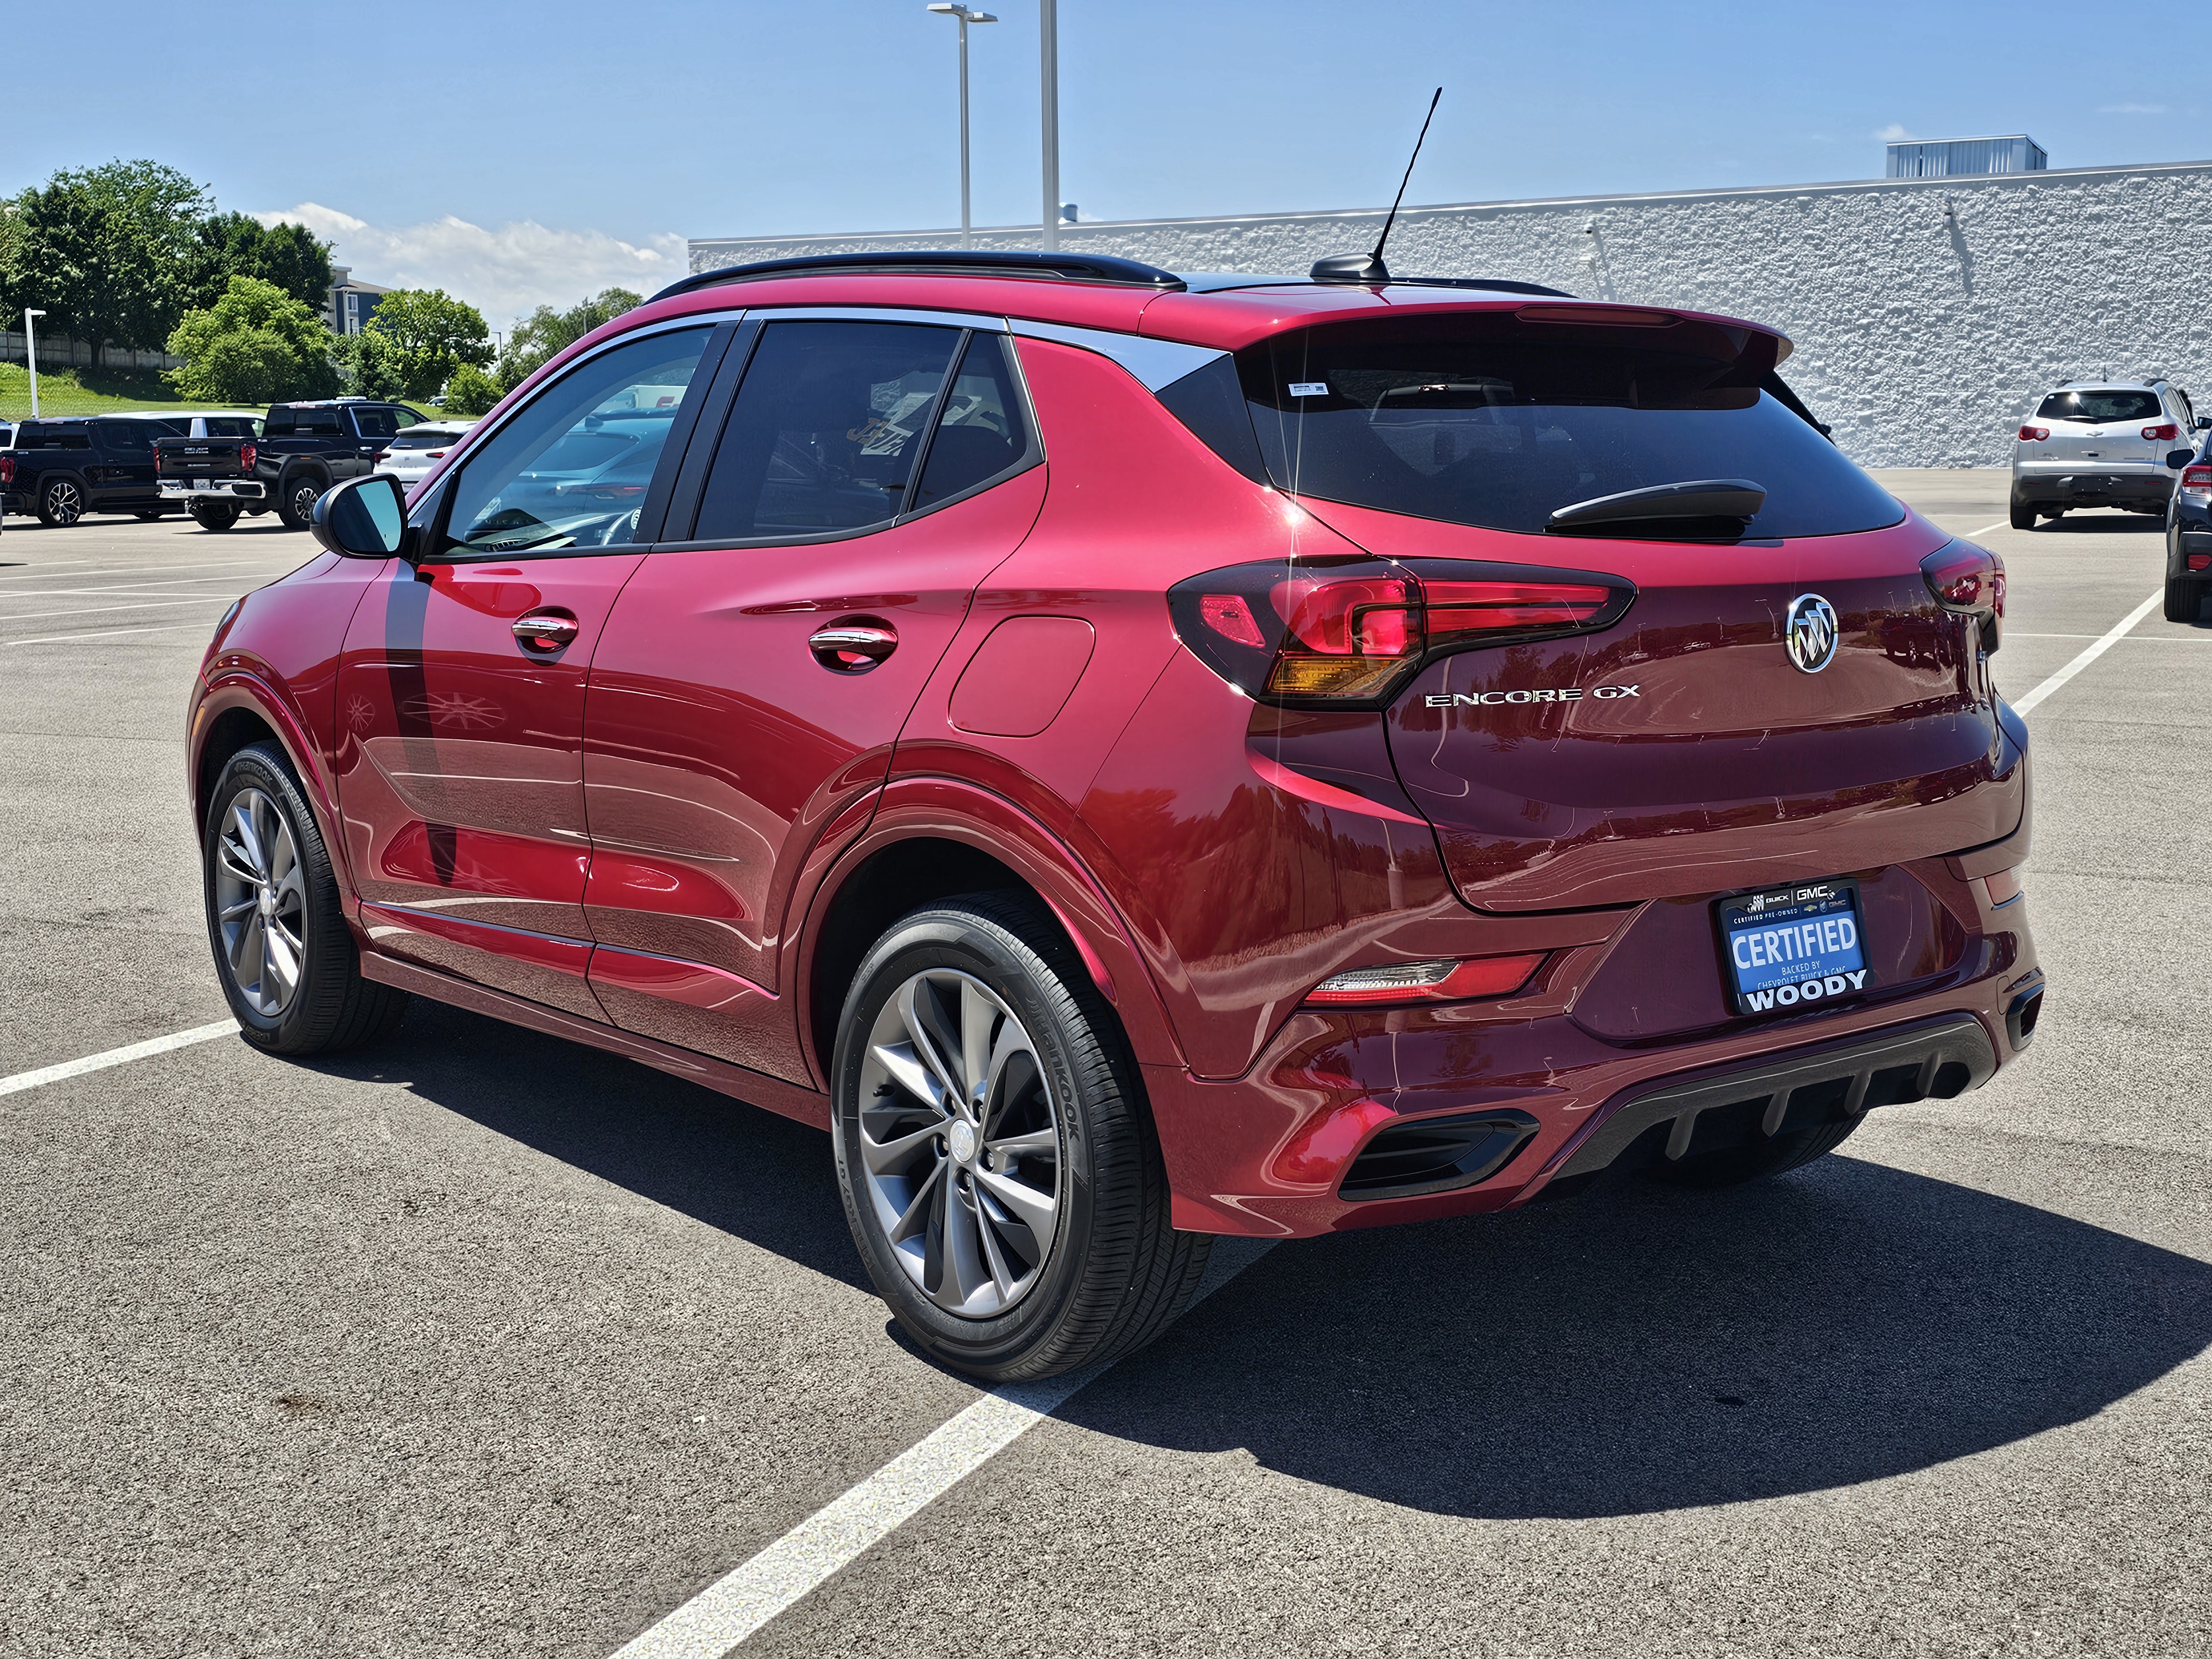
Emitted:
<point x="350" y="304"/>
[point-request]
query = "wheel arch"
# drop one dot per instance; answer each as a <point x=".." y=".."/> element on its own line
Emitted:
<point x="238" y="710"/>
<point x="929" y="839"/>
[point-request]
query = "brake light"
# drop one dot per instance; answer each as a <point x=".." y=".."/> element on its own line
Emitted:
<point x="2196" y="480"/>
<point x="2200" y="560"/>
<point x="2034" y="435"/>
<point x="1403" y="982"/>
<point x="1356" y="629"/>
<point x="247" y="455"/>
<point x="7" y="469"/>
<point x="1970" y="582"/>
<point x="434" y="455"/>
<point x="2165" y="435"/>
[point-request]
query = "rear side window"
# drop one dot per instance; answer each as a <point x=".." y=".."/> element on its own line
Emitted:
<point x="375" y="422"/>
<point x="2099" y="407"/>
<point x="1467" y="421"/>
<point x="826" y="428"/>
<point x="571" y="468"/>
<point x="982" y="432"/>
<point x="30" y="435"/>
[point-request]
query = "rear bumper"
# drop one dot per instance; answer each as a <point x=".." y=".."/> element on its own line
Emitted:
<point x="2089" y="485"/>
<point x="240" y="489"/>
<point x="1268" y="1154"/>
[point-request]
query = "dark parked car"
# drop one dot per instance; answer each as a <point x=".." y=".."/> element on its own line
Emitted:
<point x="1413" y="749"/>
<point x="62" y="469"/>
<point x="302" y="450"/>
<point x="2189" y="539"/>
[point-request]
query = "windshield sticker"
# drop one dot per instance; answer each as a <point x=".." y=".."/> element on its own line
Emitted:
<point x="1310" y="388"/>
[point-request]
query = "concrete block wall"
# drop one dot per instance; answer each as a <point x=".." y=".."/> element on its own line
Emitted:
<point x="1921" y="340"/>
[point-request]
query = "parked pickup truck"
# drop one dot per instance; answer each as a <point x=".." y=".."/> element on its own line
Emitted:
<point x="62" y="469"/>
<point x="301" y="451"/>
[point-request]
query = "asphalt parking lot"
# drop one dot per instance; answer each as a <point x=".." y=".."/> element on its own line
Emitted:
<point x="477" y="1345"/>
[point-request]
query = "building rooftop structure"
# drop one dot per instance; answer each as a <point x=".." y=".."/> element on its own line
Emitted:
<point x="1945" y="158"/>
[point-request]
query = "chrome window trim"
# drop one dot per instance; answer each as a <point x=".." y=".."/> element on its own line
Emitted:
<point x="1156" y="363"/>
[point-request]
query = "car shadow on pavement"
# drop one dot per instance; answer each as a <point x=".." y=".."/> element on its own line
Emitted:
<point x="2103" y="524"/>
<point x="1641" y="1350"/>
<point x="749" y="1173"/>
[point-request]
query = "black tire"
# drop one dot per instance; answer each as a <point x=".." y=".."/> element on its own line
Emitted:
<point x="332" y="1005"/>
<point x="1116" y="1273"/>
<point x="211" y="515"/>
<point x="2023" y="514"/>
<point x="2184" y="599"/>
<point x="296" y="500"/>
<point x="1759" y="1162"/>
<point x="61" y="503"/>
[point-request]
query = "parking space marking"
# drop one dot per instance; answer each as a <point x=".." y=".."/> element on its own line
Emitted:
<point x="98" y="634"/>
<point x="100" y="610"/>
<point x="732" y="1609"/>
<point x="2105" y="641"/>
<point x="1999" y="524"/>
<point x="38" y="571"/>
<point x="2132" y="639"/>
<point x="100" y="1062"/>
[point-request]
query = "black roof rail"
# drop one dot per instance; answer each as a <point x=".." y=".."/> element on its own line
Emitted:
<point x="941" y="262"/>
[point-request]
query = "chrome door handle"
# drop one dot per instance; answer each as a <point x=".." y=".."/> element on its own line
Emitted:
<point x="852" y="648"/>
<point x="545" y="633"/>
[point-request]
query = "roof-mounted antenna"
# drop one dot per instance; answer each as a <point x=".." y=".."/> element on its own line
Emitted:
<point x="1368" y="267"/>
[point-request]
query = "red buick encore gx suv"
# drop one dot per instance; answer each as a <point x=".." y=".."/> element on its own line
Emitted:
<point x="1139" y="756"/>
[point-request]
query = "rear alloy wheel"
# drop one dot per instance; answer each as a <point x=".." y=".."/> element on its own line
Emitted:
<point x="61" y="503"/>
<point x="297" y="506"/>
<point x="2184" y="599"/>
<point x="211" y="515"/>
<point x="1758" y="1161"/>
<point x="999" y="1171"/>
<point x="2023" y="514"/>
<point x="282" y="951"/>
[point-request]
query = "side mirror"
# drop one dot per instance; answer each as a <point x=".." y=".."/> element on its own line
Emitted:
<point x="362" y="518"/>
<point x="2178" y="459"/>
<point x="2204" y="423"/>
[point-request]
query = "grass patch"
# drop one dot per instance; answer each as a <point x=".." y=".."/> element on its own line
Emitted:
<point x="84" y="391"/>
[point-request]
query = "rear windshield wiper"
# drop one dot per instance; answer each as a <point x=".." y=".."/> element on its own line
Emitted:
<point x="1734" y="500"/>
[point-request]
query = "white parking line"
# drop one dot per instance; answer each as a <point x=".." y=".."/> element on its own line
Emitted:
<point x="100" y="1062"/>
<point x="1999" y="524"/>
<point x="98" y="634"/>
<point x="97" y="610"/>
<point x="2105" y="641"/>
<point x="730" y="1610"/>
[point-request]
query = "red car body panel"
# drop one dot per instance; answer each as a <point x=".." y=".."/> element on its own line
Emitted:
<point x="639" y="840"/>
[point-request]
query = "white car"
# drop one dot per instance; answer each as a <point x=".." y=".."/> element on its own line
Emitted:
<point x="410" y="455"/>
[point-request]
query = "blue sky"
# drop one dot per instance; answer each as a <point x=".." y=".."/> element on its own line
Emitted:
<point x="516" y="153"/>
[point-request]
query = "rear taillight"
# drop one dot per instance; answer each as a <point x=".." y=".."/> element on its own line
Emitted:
<point x="2196" y="480"/>
<point x="1405" y="982"/>
<point x="1970" y="581"/>
<point x="2200" y="560"/>
<point x="2034" y="435"/>
<point x="434" y="455"/>
<point x="247" y="454"/>
<point x="2165" y="435"/>
<point x="1355" y="630"/>
<point x="7" y="469"/>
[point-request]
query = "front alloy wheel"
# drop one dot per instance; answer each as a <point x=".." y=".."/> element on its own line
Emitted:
<point x="259" y="903"/>
<point x="961" y="1143"/>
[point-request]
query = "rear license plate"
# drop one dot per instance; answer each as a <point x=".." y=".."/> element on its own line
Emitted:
<point x="199" y="483"/>
<point x="1791" y="945"/>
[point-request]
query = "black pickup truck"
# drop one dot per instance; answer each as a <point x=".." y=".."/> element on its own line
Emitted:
<point x="302" y="450"/>
<point x="62" y="469"/>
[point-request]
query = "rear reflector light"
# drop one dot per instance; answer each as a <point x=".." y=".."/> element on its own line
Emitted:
<point x="2034" y="435"/>
<point x="2002" y="887"/>
<point x="1357" y="630"/>
<point x="2165" y="435"/>
<point x="246" y="452"/>
<point x="2196" y="480"/>
<point x="1405" y="983"/>
<point x="2200" y="560"/>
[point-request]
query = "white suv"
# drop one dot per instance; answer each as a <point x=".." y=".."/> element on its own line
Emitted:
<point x="2094" y="443"/>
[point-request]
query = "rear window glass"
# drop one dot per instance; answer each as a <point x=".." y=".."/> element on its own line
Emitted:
<point x="1463" y="420"/>
<point x="225" y="426"/>
<point x="2098" y="407"/>
<point x="418" y="439"/>
<point x="312" y="421"/>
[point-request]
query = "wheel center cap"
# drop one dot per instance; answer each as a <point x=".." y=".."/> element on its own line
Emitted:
<point x="268" y="901"/>
<point x="963" y="1141"/>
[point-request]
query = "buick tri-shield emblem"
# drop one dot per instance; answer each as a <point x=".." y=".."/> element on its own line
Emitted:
<point x="1809" y="632"/>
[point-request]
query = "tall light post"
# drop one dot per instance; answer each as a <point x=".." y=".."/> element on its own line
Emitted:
<point x="31" y="355"/>
<point x="965" y="17"/>
<point x="1048" y="77"/>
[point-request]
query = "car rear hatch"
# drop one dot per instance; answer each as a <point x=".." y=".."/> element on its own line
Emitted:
<point x="2098" y="428"/>
<point x="199" y="458"/>
<point x="1606" y="706"/>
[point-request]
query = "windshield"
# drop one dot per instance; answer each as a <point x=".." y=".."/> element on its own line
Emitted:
<point x="2099" y="407"/>
<point x="1432" y="419"/>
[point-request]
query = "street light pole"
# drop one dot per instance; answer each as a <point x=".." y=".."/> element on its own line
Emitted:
<point x="965" y="17"/>
<point x="31" y="355"/>
<point x="1048" y="75"/>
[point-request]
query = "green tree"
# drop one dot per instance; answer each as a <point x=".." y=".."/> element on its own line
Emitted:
<point x="227" y="244"/>
<point x="106" y="251"/>
<point x="255" y="345"/>
<point x="470" y="392"/>
<point x="545" y="332"/>
<point x="371" y="365"/>
<point x="433" y="334"/>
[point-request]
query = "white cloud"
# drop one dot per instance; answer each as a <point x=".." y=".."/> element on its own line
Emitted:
<point x="504" y="273"/>
<point x="1894" y="133"/>
<point x="2131" y="109"/>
